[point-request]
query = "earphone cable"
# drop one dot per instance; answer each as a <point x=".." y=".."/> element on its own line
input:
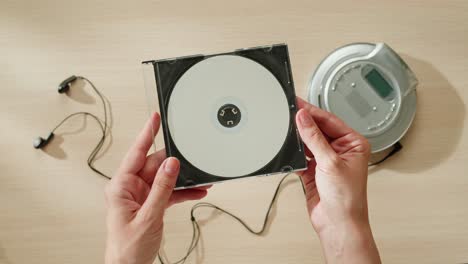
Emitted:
<point x="97" y="149"/>
<point x="101" y="97"/>
<point x="99" y="144"/>
<point x="104" y="126"/>
<point x="196" y="227"/>
<point x="396" y="148"/>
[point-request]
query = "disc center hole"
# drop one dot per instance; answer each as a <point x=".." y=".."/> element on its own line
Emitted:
<point x="229" y="115"/>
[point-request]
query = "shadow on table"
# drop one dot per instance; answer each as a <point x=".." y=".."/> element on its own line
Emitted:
<point x="54" y="148"/>
<point x="78" y="93"/>
<point x="436" y="95"/>
<point x="200" y="249"/>
<point x="3" y="258"/>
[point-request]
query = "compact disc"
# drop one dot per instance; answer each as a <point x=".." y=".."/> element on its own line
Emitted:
<point x="228" y="116"/>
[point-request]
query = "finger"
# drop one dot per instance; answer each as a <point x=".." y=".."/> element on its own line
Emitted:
<point x="351" y="143"/>
<point x="311" y="192"/>
<point x="152" y="163"/>
<point x="301" y="103"/>
<point x="311" y="164"/>
<point x="162" y="188"/>
<point x="186" y="195"/>
<point x="330" y="124"/>
<point x="308" y="153"/>
<point x="314" y="139"/>
<point x="206" y="187"/>
<point x="136" y="156"/>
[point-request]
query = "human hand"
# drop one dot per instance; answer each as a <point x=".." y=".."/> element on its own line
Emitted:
<point x="335" y="184"/>
<point x="137" y="197"/>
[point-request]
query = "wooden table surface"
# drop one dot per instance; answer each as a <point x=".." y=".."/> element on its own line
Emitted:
<point x="52" y="207"/>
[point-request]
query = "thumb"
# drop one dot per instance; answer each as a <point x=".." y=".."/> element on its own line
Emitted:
<point x="162" y="188"/>
<point x="314" y="139"/>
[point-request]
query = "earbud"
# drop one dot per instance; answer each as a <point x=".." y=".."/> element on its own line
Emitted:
<point x="64" y="86"/>
<point x="40" y="142"/>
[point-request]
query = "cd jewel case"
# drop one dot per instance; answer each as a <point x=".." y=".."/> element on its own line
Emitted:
<point x="226" y="116"/>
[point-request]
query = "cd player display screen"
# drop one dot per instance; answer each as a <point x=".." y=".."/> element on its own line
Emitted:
<point x="380" y="85"/>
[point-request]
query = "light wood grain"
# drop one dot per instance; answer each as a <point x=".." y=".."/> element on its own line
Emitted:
<point x="52" y="208"/>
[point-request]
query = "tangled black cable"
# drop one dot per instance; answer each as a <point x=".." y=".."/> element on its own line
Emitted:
<point x="395" y="149"/>
<point x="196" y="226"/>
<point x="103" y="125"/>
<point x="105" y="130"/>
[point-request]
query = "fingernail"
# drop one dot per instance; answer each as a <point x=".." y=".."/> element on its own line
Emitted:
<point x="171" y="165"/>
<point x="305" y="118"/>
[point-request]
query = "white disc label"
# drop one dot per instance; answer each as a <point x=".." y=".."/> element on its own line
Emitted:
<point x="228" y="116"/>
